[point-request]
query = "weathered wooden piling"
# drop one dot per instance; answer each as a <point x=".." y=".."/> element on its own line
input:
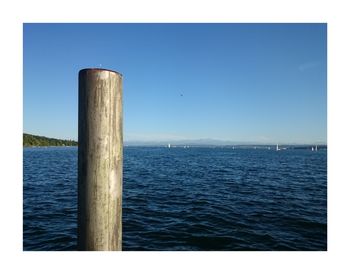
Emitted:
<point x="100" y="160"/>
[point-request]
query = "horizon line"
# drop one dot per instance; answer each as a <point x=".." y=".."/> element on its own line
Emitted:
<point x="203" y="140"/>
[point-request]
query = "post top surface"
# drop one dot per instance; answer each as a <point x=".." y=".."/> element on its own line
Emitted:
<point x="99" y="69"/>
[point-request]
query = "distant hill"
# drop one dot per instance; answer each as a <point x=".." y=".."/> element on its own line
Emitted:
<point x="30" y="140"/>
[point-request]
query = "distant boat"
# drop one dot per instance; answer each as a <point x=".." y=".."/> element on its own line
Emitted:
<point x="316" y="148"/>
<point x="169" y="145"/>
<point x="312" y="148"/>
<point x="233" y="147"/>
<point x="277" y="148"/>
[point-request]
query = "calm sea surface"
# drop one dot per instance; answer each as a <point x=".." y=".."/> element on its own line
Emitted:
<point x="187" y="199"/>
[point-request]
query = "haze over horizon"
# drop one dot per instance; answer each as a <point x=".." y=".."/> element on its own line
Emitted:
<point x="253" y="83"/>
<point x="201" y="141"/>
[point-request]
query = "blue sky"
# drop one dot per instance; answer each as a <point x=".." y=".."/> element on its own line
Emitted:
<point x="263" y="83"/>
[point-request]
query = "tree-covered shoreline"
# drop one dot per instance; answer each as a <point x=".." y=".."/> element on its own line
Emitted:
<point x="30" y="140"/>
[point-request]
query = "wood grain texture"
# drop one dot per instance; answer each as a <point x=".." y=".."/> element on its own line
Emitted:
<point x="100" y="160"/>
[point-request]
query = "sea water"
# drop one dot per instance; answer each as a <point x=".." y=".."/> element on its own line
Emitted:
<point x="197" y="198"/>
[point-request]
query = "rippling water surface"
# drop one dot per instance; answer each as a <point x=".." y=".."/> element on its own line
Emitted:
<point x="187" y="199"/>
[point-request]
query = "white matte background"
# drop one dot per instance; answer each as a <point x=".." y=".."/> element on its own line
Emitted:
<point x="14" y="13"/>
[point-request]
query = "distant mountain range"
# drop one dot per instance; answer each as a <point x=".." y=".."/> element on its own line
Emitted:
<point x="35" y="140"/>
<point x="195" y="142"/>
<point x="209" y="142"/>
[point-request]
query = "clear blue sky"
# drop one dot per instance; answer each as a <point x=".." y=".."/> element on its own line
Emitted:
<point x="263" y="83"/>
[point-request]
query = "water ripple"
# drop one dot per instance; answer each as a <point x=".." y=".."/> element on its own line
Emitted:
<point x="187" y="199"/>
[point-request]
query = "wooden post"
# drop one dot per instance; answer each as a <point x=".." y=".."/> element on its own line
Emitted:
<point x="100" y="160"/>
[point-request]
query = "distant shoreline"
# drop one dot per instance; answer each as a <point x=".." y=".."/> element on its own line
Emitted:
<point x="30" y="140"/>
<point x="48" y="146"/>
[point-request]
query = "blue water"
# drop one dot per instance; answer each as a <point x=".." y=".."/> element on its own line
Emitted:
<point x="187" y="199"/>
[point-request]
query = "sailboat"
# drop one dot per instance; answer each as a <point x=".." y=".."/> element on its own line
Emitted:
<point x="277" y="148"/>
<point x="169" y="146"/>
<point x="316" y="148"/>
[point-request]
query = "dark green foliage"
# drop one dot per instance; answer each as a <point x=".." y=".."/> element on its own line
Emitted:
<point x="33" y="140"/>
